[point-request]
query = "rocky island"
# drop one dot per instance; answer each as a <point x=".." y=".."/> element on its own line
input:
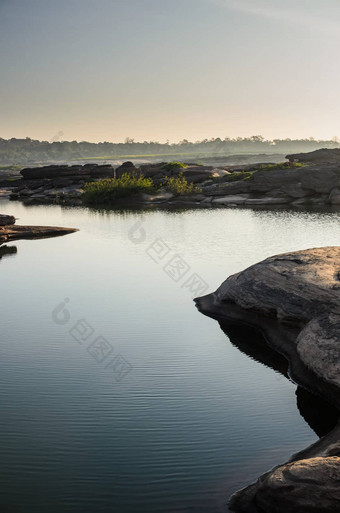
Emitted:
<point x="294" y="300"/>
<point x="304" y="179"/>
<point x="9" y="231"/>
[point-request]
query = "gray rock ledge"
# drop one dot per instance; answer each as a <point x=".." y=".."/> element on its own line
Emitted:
<point x="11" y="231"/>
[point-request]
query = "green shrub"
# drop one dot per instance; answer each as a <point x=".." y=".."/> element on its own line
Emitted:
<point x="174" y="165"/>
<point x="179" y="185"/>
<point x="106" y="191"/>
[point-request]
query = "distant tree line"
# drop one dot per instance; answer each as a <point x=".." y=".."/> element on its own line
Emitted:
<point x="26" y="151"/>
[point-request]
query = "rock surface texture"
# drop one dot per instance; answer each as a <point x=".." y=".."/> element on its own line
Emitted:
<point x="298" y="292"/>
<point x="304" y="486"/>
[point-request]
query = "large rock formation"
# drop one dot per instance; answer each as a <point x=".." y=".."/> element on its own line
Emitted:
<point x="293" y="287"/>
<point x="294" y="299"/>
<point x="64" y="184"/>
<point x="318" y="184"/>
<point x="251" y="185"/>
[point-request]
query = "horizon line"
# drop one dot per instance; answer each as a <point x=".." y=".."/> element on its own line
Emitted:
<point x="130" y="140"/>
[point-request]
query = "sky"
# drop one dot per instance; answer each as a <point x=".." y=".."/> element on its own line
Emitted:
<point x="104" y="70"/>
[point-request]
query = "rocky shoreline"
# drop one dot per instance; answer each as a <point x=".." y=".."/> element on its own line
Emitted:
<point x="296" y="183"/>
<point x="9" y="231"/>
<point x="294" y="300"/>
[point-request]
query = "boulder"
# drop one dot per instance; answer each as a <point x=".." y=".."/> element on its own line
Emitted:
<point x="127" y="167"/>
<point x="153" y="170"/>
<point x="304" y="486"/>
<point x="6" y="220"/>
<point x="293" y="287"/>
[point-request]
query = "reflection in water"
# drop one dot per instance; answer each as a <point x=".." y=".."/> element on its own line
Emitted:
<point x="8" y="251"/>
<point x="319" y="415"/>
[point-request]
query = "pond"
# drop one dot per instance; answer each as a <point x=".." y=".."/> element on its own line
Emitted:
<point x="116" y="394"/>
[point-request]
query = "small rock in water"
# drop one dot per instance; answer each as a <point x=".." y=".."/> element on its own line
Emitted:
<point x="6" y="220"/>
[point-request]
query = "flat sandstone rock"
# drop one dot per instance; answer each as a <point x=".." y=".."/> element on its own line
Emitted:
<point x="14" y="232"/>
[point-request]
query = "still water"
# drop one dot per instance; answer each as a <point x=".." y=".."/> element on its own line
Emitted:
<point x="128" y="399"/>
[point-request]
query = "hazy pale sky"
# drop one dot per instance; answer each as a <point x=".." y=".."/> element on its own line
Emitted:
<point x="169" y="69"/>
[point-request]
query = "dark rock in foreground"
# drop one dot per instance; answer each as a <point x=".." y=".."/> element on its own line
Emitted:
<point x="294" y="299"/>
<point x="304" y="486"/>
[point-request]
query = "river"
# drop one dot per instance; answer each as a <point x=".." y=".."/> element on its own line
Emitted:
<point x="116" y="394"/>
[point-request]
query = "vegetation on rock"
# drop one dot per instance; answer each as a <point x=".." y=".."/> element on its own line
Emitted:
<point x="174" y="165"/>
<point x="178" y="185"/>
<point x="280" y="165"/>
<point x="237" y="176"/>
<point x="105" y="192"/>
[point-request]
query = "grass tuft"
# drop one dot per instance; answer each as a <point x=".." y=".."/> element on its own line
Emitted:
<point x="179" y="185"/>
<point x="108" y="190"/>
<point x="174" y="165"/>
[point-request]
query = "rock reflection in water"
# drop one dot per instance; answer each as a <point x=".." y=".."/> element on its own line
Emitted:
<point x="8" y="251"/>
<point x="321" y="416"/>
